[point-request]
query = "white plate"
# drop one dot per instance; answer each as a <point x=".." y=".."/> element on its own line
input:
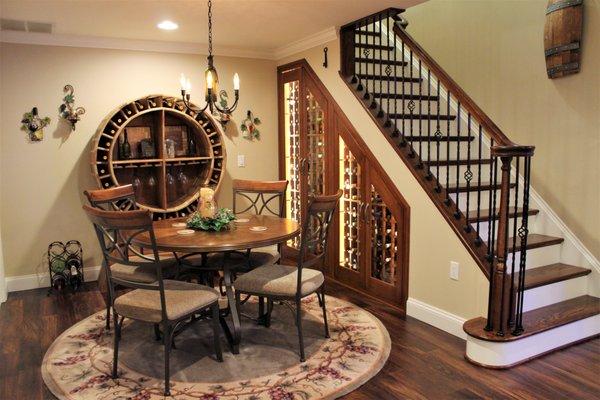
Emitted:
<point x="179" y="225"/>
<point x="242" y="220"/>
<point x="258" y="228"/>
<point x="186" y="232"/>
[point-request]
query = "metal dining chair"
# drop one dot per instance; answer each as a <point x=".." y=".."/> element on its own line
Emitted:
<point x="287" y="283"/>
<point x="168" y="303"/>
<point x="122" y="198"/>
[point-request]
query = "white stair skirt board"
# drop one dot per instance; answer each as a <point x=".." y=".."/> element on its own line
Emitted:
<point x="507" y="354"/>
<point x="36" y="281"/>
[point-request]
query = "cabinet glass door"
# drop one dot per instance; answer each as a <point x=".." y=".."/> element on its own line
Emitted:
<point x="349" y="263"/>
<point x="292" y="158"/>
<point x="386" y="253"/>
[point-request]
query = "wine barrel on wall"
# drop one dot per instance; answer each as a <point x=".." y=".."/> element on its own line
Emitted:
<point x="562" y="37"/>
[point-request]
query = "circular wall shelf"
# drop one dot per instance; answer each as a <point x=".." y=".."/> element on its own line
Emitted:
<point x="172" y="154"/>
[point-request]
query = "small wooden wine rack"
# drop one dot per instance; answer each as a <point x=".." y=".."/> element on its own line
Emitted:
<point x="166" y="181"/>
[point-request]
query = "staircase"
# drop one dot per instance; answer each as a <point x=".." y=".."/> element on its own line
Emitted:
<point x="480" y="182"/>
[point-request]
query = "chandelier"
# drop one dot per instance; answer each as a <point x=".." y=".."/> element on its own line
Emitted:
<point x="216" y="101"/>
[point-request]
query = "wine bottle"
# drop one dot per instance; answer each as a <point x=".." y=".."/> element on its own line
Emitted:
<point x="126" y="147"/>
<point x="191" y="145"/>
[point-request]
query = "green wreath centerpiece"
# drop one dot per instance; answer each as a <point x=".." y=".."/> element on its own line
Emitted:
<point x="218" y="222"/>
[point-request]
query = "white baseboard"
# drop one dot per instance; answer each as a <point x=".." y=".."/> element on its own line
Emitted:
<point x="448" y="322"/>
<point x="36" y="281"/>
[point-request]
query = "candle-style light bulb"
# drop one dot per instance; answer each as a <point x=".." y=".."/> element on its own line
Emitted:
<point x="182" y="81"/>
<point x="188" y="86"/>
<point x="209" y="81"/>
<point x="236" y="82"/>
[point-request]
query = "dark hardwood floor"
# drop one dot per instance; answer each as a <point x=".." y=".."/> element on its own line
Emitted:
<point x="425" y="363"/>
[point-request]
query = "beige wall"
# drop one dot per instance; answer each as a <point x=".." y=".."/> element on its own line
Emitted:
<point x="433" y="244"/>
<point x="42" y="183"/>
<point x="494" y="50"/>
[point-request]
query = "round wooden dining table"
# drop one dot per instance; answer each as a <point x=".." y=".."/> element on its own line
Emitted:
<point x="247" y="232"/>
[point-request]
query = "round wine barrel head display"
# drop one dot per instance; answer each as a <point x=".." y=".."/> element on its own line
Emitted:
<point x="562" y="37"/>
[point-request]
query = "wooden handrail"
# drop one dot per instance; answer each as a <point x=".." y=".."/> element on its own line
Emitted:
<point x="369" y="18"/>
<point x="488" y="125"/>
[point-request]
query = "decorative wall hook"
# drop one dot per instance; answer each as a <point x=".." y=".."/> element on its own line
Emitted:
<point x="67" y="110"/>
<point x="34" y="125"/>
<point x="248" y="126"/>
<point x="325" y="63"/>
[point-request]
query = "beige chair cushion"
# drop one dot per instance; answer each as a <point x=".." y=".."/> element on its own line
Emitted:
<point x="259" y="257"/>
<point x="143" y="274"/>
<point x="279" y="280"/>
<point x="181" y="298"/>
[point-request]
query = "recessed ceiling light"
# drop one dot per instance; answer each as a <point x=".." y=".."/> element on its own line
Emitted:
<point x="167" y="25"/>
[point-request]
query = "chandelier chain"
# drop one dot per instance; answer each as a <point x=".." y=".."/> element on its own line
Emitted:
<point x="209" y="27"/>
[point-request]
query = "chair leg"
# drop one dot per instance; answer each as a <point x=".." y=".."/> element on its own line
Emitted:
<point x="261" y="308"/>
<point x="157" y="332"/>
<point x="116" y="338"/>
<point x="324" y="311"/>
<point x="217" y="331"/>
<point x="269" y="311"/>
<point x="168" y="334"/>
<point x="238" y="299"/>
<point x="108" y="317"/>
<point x="299" y="325"/>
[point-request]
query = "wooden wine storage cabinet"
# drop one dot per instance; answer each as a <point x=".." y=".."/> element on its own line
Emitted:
<point x="320" y="153"/>
<point x="166" y="181"/>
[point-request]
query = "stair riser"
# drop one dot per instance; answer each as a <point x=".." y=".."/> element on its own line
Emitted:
<point x="484" y="226"/>
<point x="554" y="293"/>
<point x="506" y="354"/>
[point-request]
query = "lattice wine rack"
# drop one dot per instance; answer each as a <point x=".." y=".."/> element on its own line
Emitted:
<point x="384" y="232"/>
<point x="349" y="208"/>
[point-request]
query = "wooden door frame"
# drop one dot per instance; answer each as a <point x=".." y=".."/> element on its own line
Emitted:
<point x="338" y="118"/>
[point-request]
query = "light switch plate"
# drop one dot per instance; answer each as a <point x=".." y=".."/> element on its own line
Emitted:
<point x="454" y="267"/>
<point x="241" y="160"/>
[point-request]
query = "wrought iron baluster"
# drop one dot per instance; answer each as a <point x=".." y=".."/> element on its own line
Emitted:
<point x="479" y="164"/>
<point x="357" y="30"/>
<point x="395" y="91"/>
<point x="468" y="175"/>
<point x="511" y="315"/>
<point x="380" y="75"/>
<point x="449" y="94"/>
<point x="403" y="110"/>
<point x="523" y="233"/>
<point x="438" y="138"/>
<point x="388" y="68"/>
<point x="420" y="118"/>
<point x="411" y="106"/>
<point x="428" y="124"/>
<point x="457" y="212"/>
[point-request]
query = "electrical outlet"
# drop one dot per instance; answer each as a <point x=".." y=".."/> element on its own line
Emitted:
<point x="241" y="160"/>
<point x="454" y="267"/>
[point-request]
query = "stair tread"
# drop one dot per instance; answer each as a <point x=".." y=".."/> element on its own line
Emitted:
<point x="473" y="162"/>
<point x="378" y="77"/>
<point x="443" y="138"/>
<point x="484" y="215"/>
<point x="405" y="96"/>
<point x="462" y="187"/>
<point x="534" y="241"/>
<point x="552" y="273"/>
<point x="540" y="319"/>
<point x="422" y="116"/>
<point x="374" y="46"/>
<point x="385" y="62"/>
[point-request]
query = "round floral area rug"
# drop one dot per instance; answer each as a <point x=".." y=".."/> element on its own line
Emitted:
<point x="77" y="365"/>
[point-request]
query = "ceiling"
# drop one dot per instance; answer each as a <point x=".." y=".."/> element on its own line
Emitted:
<point x="259" y="25"/>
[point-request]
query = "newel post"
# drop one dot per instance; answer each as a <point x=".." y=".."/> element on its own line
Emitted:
<point x="500" y="279"/>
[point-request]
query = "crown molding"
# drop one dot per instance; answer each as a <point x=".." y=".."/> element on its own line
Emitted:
<point x="51" y="39"/>
<point x="324" y="36"/>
